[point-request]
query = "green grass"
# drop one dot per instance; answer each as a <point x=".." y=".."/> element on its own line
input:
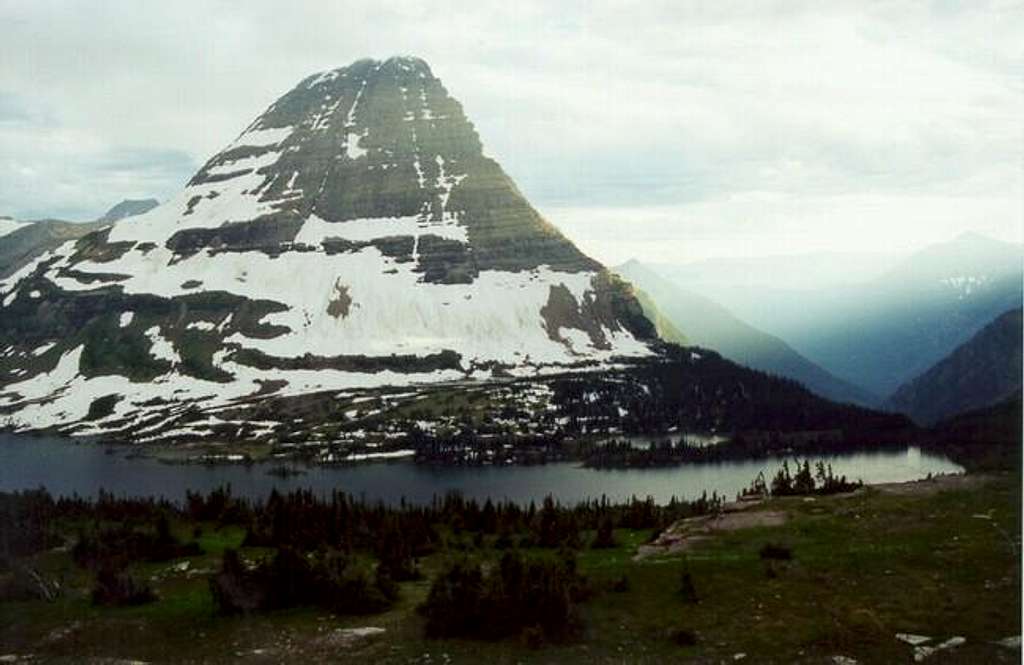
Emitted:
<point x="864" y="567"/>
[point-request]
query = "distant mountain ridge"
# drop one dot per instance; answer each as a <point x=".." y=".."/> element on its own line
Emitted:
<point x="128" y="208"/>
<point x="982" y="371"/>
<point x="885" y="331"/>
<point x="24" y="241"/>
<point x="705" y="323"/>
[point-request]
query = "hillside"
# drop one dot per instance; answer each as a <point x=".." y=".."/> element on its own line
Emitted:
<point x="980" y="372"/>
<point x="22" y="242"/>
<point x="707" y="324"/>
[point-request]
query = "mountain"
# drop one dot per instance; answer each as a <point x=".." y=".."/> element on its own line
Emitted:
<point x="884" y="331"/>
<point x="9" y="225"/>
<point x="32" y="239"/>
<point x="353" y="235"/>
<point x="707" y="324"/>
<point x="128" y="208"/>
<point x="980" y="372"/>
<point x="663" y="326"/>
<point x="21" y="242"/>
<point x="985" y="439"/>
<point x="352" y="269"/>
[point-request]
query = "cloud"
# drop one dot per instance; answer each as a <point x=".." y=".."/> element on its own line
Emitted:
<point x="50" y="170"/>
<point x="766" y="223"/>
<point x="890" y="107"/>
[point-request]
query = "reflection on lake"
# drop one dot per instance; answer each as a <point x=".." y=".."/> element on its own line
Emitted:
<point x="646" y="441"/>
<point x="66" y="467"/>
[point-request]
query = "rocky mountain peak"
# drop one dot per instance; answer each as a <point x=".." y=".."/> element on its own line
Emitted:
<point x="380" y="141"/>
<point x="353" y="235"/>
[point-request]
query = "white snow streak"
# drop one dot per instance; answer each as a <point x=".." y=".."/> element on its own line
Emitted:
<point x="38" y="351"/>
<point x="315" y="230"/>
<point x="260" y="138"/>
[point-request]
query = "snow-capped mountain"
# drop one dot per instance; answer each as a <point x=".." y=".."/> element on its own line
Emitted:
<point x="354" y="235"/>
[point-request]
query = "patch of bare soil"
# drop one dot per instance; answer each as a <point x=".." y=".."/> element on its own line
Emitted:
<point x="933" y="485"/>
<point x="682" y="535"/>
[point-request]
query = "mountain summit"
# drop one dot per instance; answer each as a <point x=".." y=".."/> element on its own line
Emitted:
<point x="354" y="235"/>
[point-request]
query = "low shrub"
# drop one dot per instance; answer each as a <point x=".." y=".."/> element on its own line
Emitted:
<point x="771" y="551"/>
<point x="683" y="637"/>
<point x="116" y="587"/>
<point x="329" y="580"/>
<point x="518" y="596"/>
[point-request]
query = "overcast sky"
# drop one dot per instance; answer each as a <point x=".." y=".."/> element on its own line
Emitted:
<point x="665" y="131"/>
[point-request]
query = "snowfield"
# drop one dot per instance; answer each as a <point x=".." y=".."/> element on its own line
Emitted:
<point x="391" y="312"/>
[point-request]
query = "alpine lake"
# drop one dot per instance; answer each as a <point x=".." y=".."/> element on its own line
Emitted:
<point x="67" y="467"/>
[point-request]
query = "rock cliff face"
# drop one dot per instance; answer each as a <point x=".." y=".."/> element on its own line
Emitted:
<point x="354" y="236"/>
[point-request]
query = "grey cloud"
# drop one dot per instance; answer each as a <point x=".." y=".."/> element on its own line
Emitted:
<point x="16" y="110"/>
<point x="596" y="104"/>
<point x="148" y="162"/>
<point x="81" y="186"/>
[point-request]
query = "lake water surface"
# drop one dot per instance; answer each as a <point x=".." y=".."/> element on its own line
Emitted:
<point x="68" y="467"/>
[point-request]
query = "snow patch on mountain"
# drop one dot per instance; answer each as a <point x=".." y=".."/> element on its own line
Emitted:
<point x="261" y="138"/>
<point x="248" y="163"/>
<point x="207" y="204"/>
<point x="352" y="148"/>
<point x="40" y="350"/>
<point x="160" y="348"/>
<point x="964" y="285"/>
<point x="391" y="311"/>
<point x="315" y="230"/>
<point x="63" y="395"/>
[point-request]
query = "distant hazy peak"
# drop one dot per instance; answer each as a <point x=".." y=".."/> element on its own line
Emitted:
<point x="968" y="257"/>
<point x="975" y="241"/>
<point x="975" y="237"/>
<point x="128" y="208"/>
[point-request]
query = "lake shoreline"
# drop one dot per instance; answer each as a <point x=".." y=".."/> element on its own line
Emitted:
<point x="70" y="467"/>
<point x="582" y="451"/>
